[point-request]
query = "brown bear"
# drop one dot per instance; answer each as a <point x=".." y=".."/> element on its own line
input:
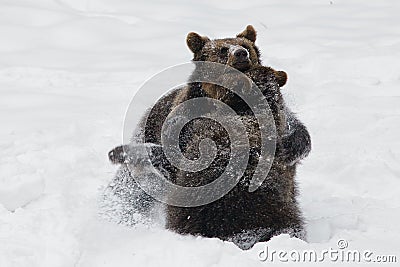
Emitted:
<point x="240" y="216"/>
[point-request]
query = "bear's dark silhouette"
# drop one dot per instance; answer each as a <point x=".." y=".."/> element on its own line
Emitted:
<point x="240" y="216"/>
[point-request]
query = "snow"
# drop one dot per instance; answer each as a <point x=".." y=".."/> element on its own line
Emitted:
<point x="69" y="68"/>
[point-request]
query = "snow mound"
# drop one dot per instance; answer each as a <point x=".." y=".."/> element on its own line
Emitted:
<point x="20" y="190"/>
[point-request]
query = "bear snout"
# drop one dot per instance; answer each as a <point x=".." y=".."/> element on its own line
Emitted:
<point x="239" y="58"/>
<point x="241" y="55"/>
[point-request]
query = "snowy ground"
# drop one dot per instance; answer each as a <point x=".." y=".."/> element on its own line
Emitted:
<point x="68" y="69"/>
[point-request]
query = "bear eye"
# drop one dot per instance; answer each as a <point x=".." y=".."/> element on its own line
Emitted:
<point x="224" y="50"/>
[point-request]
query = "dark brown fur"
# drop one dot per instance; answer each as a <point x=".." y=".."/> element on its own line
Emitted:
<point x="240" y="216"/>
<point x="271" y="209"/>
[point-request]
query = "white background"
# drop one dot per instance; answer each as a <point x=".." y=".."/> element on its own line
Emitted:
<point x="68" y="69"/>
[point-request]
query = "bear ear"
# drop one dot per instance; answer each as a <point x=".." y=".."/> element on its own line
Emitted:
<point x="195" y="42"/>
<point x="249" y="33"/>
<point x="281" y="77"/>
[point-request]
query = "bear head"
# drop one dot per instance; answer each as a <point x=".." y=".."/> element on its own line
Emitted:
<point x="240" y="53"/>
